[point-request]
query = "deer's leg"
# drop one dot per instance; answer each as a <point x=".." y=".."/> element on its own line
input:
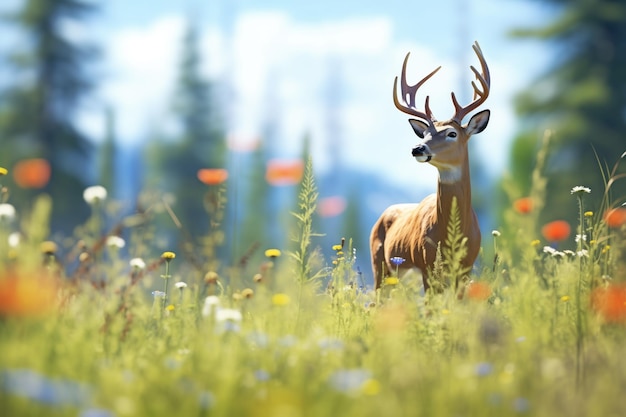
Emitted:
<point x="377" y="249"/>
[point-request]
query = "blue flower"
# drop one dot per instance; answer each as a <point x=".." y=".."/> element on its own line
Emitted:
<point x="397" y="260"/>
<point x="349" y="380"/>
<point x="483" y="369"/>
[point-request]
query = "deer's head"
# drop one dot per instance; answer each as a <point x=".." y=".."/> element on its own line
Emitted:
<point x="444" y="143"/>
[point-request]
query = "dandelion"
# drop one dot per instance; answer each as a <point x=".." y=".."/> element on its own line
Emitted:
<point x="7" y="212"/>
<point x="523" y="205"/>
<point x="589" y="214"/>
<point x="556" y="231"/>
<point x="280" y="299"/>
<point x="272" y="253"/>
<point x="115" y="242"/>
<point x="579" y="190"/>
<point x="94" y="194"/>
<point x="337" y="248"/>
<point x="168" y="256"/>
<point x="391" y="281"/>
<point x="137" y="263"/>
<point x="3" y="171"/>
<point x="565" y="298"/>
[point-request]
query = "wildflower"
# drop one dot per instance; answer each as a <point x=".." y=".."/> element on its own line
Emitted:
<point x="556" y="231"/>
<point x="211" y="303"/>
<point x="247" y="293"/>
<point x="32" y="173"/>
<point x="349" y="380"/>
<point x="94" y="194"/>
<point x="168" y="256"/>
<point x="331" y="206"/>
<point x="7" y="212"/>
<point x="158" y="294"/>
<point x="14" y="239"/>
<point x="495" y="233"/>
<point x="26" y="295"/>
<point x="610" y="303"/>
<point x="257" y="278"/>
<point x="337" y="247"/>
<point x="371" y="387"/>
<point x="392" y="281"/>
<point x="483" y="369"/>
<point x="578" y="238"/>
<point x="478" y="291"/>
<point x="211" y="277"/>
<point x="616" y="217"/>
<point x="212" y="176"/>
<point x="48" y="247"/>
<point x="549" y="250"/>
<point x="115" y="242"/>
<point x="584" y="253"/>
<point x="280" y="172"/>
<point x="229" y="318"/>
<point x="280" y="299"/>
<point x="565" y="298"/>
<point x="181" y="285"/>
<point x="3" y="171"/>
<point x="579" y="189"/>
<point x="589" y="214"/>
<point x="137" y="263"/>
<point x="606" y="248"/>
<point x="535" y="242"/>
<point x="272" y="253"/>
<point x="170" y="308"/>
<point x="523" y="205"/>
<point x="397" y="260"/>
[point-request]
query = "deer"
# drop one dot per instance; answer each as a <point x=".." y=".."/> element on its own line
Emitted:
<point x="412" y="233"/>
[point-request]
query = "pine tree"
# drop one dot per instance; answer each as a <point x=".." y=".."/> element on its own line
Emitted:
<point x="38" y="111"/>
<point x="582" y="98"/>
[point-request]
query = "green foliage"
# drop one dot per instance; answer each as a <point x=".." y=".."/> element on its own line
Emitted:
<point x="582" y="99"/>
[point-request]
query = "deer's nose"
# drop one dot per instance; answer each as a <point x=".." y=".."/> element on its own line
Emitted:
<point x="419" y="150"/>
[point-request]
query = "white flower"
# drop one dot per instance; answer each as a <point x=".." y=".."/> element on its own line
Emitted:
<point x="583" y="253"/>
<point x="137" y="263"/>
<point x="7" y="212"/>
<point x="495" y="233"/>
<point x="180" y="285"/>
<point x="227" y="314"/>
<point x="579" y="189"/>
<point x="14" y="239"/>
<point x="549" y="250"/>
<point x="95" y="194"/>
<point x="115" y="242"/>
<point x="211" y="303"/>
<point x="579" y="237"/>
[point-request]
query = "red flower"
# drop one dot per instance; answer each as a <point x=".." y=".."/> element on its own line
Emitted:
<point x="610" y="303"/>
<point x="282" y="172"/>
<point x="523" y="205"/>
<point x="615" y="217"/>
<point x="331" y="206"/>
<point x="32" y="173"/>
<point x="556" y="231"/>
<point x="26" y="295"/>
<point x="478" y="291"/>
<point x="212" y="176"/>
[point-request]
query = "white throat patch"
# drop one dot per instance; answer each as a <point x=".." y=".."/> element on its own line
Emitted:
<point x="449" y="174"/>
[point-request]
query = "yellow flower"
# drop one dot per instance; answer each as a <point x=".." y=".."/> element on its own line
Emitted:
<point x="280" y="299"/>
<point x="392" y="281"/>
<point x="589" y="214"/>
<point x="606" y="248"/>
<point x="337" y="247"/>
<point x="565" y="298"/>
<point x="3" y="171"/>
<point x="168" y="256"/>
<point x="170" y="307"/>
<point x="48" y="247"/>
<point x="535" y="242"/>
<point x="371" y="387"/>
<point x="272" y="253"/>
<point x="445" y="311"/>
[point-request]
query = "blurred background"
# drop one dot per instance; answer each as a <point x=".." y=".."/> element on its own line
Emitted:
<point x="140" y="97"/>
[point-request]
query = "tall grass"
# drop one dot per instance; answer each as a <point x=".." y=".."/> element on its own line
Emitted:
<point x="543" y="336"/>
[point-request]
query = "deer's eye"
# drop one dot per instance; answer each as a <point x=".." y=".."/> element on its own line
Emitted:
<point x="451" y="134"/>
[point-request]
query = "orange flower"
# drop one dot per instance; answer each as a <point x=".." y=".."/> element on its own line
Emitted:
<point x="523" y="205"/>
<point x="212" y="176"/>
<point x="331" y="206"/>
<point x="615" y="217"/>
<point x="25" y="296"/>
<point x="32" y="173"/>
<point x="281" y="172"/>
<point x="556" y="231"/>
<point x="610" y="303"/>
<point x="478" y="291"/>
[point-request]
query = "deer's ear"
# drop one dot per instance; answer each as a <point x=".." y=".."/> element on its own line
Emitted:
<point x="477" y="123"/>
<point x="419" y="127"/>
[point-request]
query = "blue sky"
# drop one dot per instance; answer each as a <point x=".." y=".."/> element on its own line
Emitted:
<point x="280" y="57"/>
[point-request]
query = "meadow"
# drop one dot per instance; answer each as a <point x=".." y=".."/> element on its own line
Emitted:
<point x="537" y="328"/>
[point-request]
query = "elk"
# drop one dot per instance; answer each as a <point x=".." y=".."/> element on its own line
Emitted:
<point x="413" y="231"/>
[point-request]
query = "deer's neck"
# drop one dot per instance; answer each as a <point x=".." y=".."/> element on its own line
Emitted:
<point x="455" y="183"/>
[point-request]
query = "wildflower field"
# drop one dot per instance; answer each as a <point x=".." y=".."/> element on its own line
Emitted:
<point x="537" y="328"/>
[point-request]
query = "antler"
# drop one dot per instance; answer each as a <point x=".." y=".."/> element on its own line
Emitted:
<point x="485" y="81"/>
<point x="408" y="95"/>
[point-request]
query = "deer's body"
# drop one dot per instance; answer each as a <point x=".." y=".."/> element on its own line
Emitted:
<point x="414" y="231"/>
